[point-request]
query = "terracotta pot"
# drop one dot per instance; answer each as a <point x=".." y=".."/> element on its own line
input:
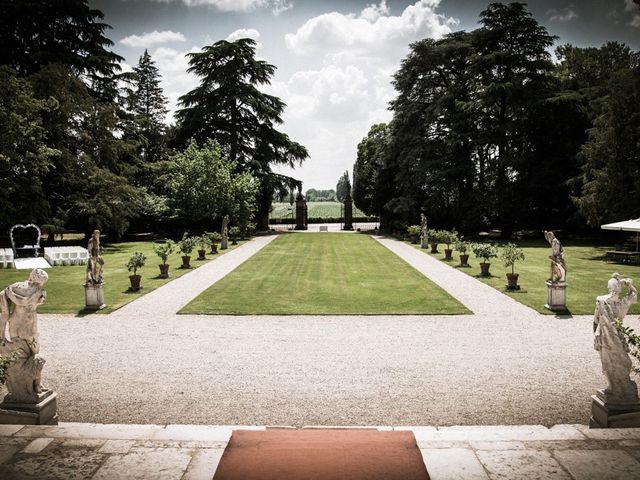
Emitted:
<point x="464" y="259"/>
<point x="512" y="281"/>
<point x="135" y="282"/>
<point x="164" y="270"/>
<point x="214" y="248"/>
<point x="447" y="254"/>
<point x="186" y="259"/>
<point x="434" y="248"/>
<point x="484" y="269"/>
<point x="201" y="255"/>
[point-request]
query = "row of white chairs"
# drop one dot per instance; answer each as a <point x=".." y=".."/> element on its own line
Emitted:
<point x="66" y="255"/>
<point x="6" y="258"/>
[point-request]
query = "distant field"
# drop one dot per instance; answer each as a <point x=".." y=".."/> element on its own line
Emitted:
<point x="316" y="210"/>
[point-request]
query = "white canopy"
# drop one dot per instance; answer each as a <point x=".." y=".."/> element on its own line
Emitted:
<point x="626" y="225"/>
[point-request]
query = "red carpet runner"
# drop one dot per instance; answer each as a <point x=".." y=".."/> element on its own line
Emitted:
<point x="321" y="454"/>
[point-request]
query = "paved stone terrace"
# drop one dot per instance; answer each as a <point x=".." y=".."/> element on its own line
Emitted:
<point x="192" y="452"/>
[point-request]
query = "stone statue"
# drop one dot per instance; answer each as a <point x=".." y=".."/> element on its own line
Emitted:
<point x="558" y="265"/>
<point x="613" y="347"/>
<point x="18" y="303"/>
<point x="423" y="225"/>
<point x="95" y="263"/>
<point x="224" y="243"/>
<point x="225" y="226"/>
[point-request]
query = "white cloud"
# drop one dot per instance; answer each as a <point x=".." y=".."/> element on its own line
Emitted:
<point x="152" y="38"/>
<point x="331" y="106"/>
<point x="373" y="26"/>
<point x="635" y="22"/>
<point x="630" y="5"/>
<point x="564" y="15"/>
<point x="277" y="6"/>
<point x="244" y="33"/>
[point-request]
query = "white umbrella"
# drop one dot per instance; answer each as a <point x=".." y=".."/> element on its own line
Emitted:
<point x="627" y="226"/>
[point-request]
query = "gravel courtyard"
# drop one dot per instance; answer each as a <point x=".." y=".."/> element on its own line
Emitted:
<point x="145" y="364"/>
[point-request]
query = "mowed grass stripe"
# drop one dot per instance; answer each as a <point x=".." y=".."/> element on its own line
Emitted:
<point x="324" y="273"/>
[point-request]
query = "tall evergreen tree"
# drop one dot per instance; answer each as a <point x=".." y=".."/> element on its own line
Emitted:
<point x="148" y="105"/>
<point x="36" y="33"/>
<point x="228" y="106"/>
<point x="343" y="188"/>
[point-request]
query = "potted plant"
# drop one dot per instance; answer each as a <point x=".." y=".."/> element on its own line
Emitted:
<point x="414" y="232"/>
<point x="163" y="250"/>
<point x="135" y="262"/>
<point x="214" y="238"/>
<point x="510" y="255"/>
<point x="485" y="251"/>
<point x="234" y="233"/>
<point x="186" y="245"/>
<point x="449" y="238"/>
<point x="463" y="247"/>
<point x="435" y="237"/>
<point x="203" y="242"/>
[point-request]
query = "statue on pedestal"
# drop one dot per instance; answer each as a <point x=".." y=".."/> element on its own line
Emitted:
<point x="18" y="303"/>
<point x="224" y="231"/>
<point x="424" y="240"/>
<point x="611" y="343"/>
<point x="94" y="283"/>
<point x="558" y="265"/>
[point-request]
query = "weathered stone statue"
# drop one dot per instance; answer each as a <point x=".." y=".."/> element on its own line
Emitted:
<point x="94" y="284"/>
<point x="424" y="238"/>
<point x="224" y="243"/>
<point x="558" y="265"/>
<point x="618" y="404"/>
<point x="19" y="343"/>
<point x="557" y="283"/>
<point x="95" y="263"/>
<point x="613" y="348"/>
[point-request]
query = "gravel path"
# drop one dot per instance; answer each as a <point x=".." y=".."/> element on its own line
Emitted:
<point x="147" y="365"/>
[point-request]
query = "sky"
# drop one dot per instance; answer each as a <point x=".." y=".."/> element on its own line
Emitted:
<point x="335" y="59"/>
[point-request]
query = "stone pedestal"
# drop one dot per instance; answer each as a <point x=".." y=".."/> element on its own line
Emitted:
<point x="612" y="415"/>
<point x="556" y="296"/>
<point x="224" y="243"/>
<point x="301" y="212"/>
<point x="94" y="296"/>
<point x="348" y="213"/>
<point x="43" y="411"/>
<point x="424" y="242"/>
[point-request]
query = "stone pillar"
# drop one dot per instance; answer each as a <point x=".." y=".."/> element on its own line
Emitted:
<point x="301" y="207"/>
<point x="348" y="212"/>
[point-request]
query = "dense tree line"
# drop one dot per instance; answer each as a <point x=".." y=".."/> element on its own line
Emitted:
<point x="488" y="132"/>
<point x="84" y="145"/>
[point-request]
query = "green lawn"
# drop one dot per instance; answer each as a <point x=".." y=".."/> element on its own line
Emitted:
<point x="315" y="210"/>
<point x="330" y="273"/>
<point x="65" y="288"/>
<point x="588" y="271"/>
